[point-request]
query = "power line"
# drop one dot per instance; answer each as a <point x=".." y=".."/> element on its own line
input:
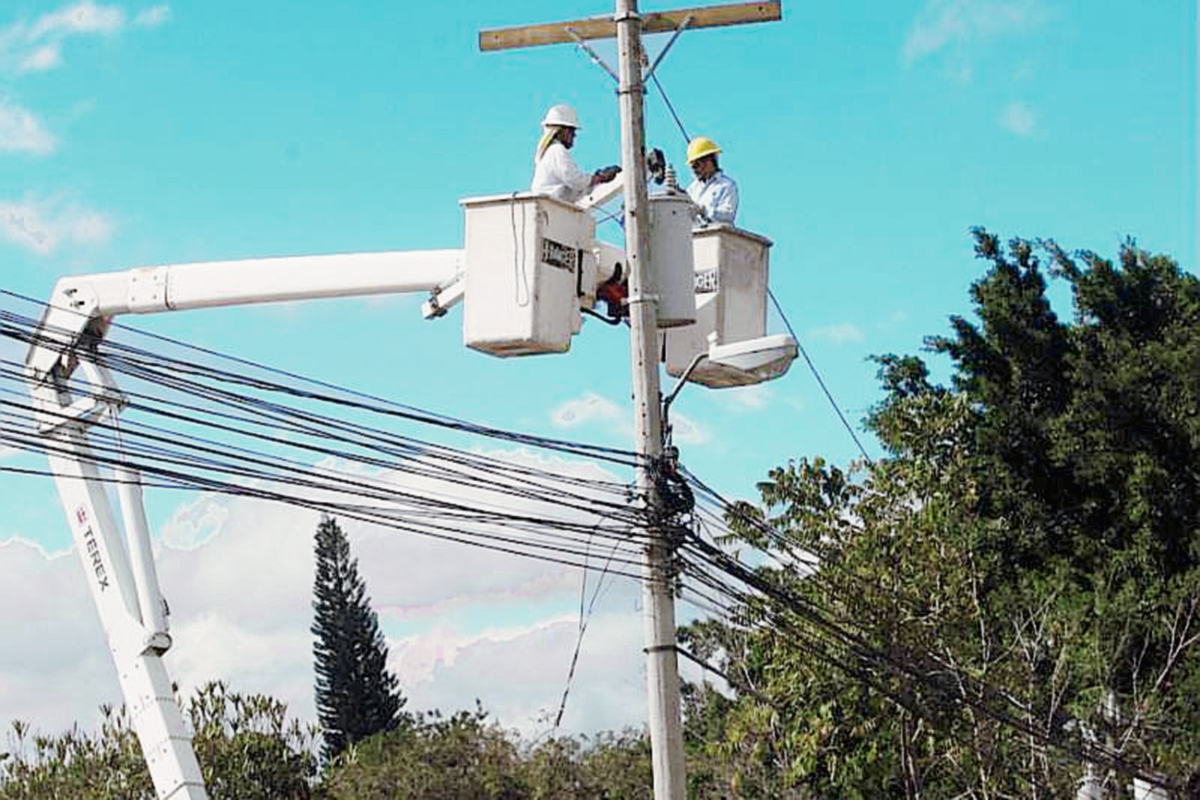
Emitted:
<point x="584" y="619"/>
<point x="184" y="460"/>
<point x="25" y="329"/>
<point x="667" y="101"/>
<point x="812" y="367"/>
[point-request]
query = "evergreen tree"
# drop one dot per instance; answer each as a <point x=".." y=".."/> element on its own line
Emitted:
<point x="356" y="695"/>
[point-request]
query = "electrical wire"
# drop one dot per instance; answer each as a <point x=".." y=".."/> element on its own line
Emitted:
<point x="584" y="619"/>
<point x="667" y="101"/>
<point x="24" y="329"/>
<point x="186" y="460"/>
<point x="820" y="381"/>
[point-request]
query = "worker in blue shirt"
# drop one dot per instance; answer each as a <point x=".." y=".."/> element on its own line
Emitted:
<point x="714" y="193"/>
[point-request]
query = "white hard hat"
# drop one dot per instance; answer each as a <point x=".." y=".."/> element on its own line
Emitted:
<point x="561" y="114"/>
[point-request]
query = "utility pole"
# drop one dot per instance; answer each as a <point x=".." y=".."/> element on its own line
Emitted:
<point x="658" y="602"/>
<point x="662" y="664"/>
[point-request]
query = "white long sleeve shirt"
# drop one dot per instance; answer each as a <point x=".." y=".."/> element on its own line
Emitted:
<point x="716" y="197"/>
<point x="557" y="175"/>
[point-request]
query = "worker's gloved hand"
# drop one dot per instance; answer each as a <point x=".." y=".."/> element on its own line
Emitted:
<point x="605" y="174"/>
<point x="656" y="166"/>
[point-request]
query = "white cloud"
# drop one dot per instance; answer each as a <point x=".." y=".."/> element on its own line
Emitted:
<point x="41" y="59"/>
<point x="43" y="225"/>
<point x="686" y="431"/>
<point x="748" y="398"/>
<point x="80" y="18"/>
<point x="53" y="644"/>
<point x="462" y="622"/>
<point x="958" y="24"/>
<point x="796" y="402"/>
<point x="839" y="333"/>
<point x="589" y="408"/>
<point x="592" y="408"/>
<point x="608" y="690"/>
<point x="891" y="321"/>
<point x="195" y="523"/>
<point x="22" y="132"/>
<point x="1018" y="118"/>
<point x="152" y="17"/>
<point x="37" y="46"/>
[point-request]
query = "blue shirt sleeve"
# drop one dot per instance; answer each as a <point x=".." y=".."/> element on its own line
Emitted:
<point x="724" y="199"/>
<point x="717" y="198"/>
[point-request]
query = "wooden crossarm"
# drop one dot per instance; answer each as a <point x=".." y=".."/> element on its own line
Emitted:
<point x="606" y="27"/>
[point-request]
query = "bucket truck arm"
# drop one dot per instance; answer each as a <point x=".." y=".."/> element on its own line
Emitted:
<point x="81" y="305"/>
<point x="71" y="391"/>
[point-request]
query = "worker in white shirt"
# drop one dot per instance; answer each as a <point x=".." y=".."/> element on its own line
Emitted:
<point x="555" y="173"/>
<point x="714" y="193"/>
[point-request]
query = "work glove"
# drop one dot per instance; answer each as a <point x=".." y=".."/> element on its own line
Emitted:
<point x="656" y="166"/>
<point x="606" y="174"/>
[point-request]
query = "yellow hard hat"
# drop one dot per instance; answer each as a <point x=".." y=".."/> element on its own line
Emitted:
<point x="700" y="147"/>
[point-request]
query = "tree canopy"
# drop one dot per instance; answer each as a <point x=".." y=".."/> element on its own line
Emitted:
<point x="1022" y="566"/>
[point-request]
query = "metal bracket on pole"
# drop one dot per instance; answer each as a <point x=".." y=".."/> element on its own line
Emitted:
<point x="679" y="384"/>
<point x="592" y="54"/>
<point x="666" y="48"/>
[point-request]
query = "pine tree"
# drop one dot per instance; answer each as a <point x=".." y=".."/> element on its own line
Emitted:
<point x="356" y="695"/>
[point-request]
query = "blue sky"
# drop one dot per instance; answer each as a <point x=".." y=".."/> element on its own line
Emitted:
<point x="866" y="139"/>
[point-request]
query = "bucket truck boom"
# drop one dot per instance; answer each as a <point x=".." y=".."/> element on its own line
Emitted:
<point x="71" y="391"/>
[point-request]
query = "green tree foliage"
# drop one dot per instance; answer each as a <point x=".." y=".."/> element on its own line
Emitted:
<point x="1108" y="489"/>
<point x="1027" y="551"/>
<point x="466" y="755"/>
<point x="457" y="756"/>
<point x="356" y="694"/>
<point x="246" y="748"/>
<point x="608" y="766"/>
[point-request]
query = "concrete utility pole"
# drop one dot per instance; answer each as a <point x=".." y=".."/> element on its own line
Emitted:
<point x="662" y="664"/>
<point x="658" y="602"/>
